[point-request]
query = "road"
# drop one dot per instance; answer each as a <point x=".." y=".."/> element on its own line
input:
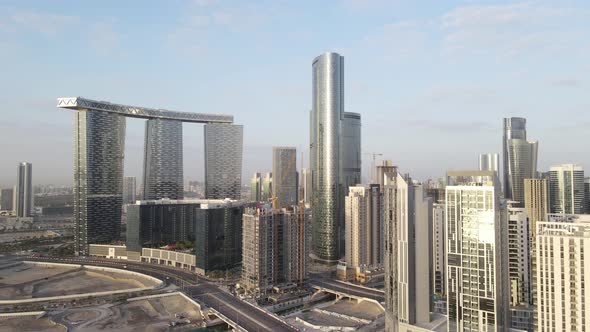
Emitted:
<point x="247" y="316"/>
<point x="319" y="280"/>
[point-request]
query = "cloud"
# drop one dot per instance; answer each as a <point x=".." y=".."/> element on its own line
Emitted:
<point x="566" y="82"/>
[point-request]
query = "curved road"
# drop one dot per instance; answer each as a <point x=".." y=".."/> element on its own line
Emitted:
<point x="244" y="314"/>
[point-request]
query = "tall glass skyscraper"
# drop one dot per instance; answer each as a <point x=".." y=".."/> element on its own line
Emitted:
<point x="520" y="159"/>
<point x="284" y="171"/>
<point x="162" y="164"/>
<point x="350" y="158"/>
<point x="99" y="146"/>
<point x="326" y="124"/>
<point x="129" y="189"/>
<point x="24" y="190"/>
<point x="566" y="189"/>
<point x="489" y="162"/>
<point x="223" y="161"/>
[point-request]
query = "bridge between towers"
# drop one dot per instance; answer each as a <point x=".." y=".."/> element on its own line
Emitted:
<point x="79" y="103"/>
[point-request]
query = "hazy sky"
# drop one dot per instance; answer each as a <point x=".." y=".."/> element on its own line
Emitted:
<point x="432" y="79"/>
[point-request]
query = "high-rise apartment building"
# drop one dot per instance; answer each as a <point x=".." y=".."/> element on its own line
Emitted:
<point x="477" y="267"/>
<point x="162" y="163"/>
<point x="520" y="159"/>
<point x="562" y="275"/>
<point x="7" y="199"/>
<point x="223" y="161"/>
<point x="587" y="194"/>
<point x="305" y="192"/>
<point x="256" y="187"/>
<point x="24" y="190"/>
<point x="439" y="266"/>
<point x="362" y="214"/>
<point x="274" y="248"/>
<point x="284" y="172"/>
<point x="536" y="203"/>
<point x="407" y="217"/>
<point x="325" y="135"/>
<point x="99" y="147"/>
<point x="566" y="189"/>
<point x="350" y="162"/>
<point x="489" y="162"/>
<point x="519" y="253"/>
<point x="129" y="189"/>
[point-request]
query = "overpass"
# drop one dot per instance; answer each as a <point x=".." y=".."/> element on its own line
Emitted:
<point x="346" y="289"/>
<point x="237" y="313"/>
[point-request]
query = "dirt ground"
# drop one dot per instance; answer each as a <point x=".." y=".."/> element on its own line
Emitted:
<point x="29" y="324"/>
<point x="33" y="281"/>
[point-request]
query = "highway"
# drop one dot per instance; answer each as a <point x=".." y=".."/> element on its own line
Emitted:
<point x="320" y="281"/>
<point x="246" y="315"/>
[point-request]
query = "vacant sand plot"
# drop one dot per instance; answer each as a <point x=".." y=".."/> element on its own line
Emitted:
<point x="31" y="324"/>
<point x="27" y="281"/>
<point x="143" y="315"/>
<point x="363" y="310"/>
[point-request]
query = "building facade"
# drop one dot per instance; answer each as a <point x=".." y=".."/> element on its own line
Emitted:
<point x="256" y="188"/>
<point x="350" y="159"/>
<point x="99" y="147"/>
<point x="477" y="267"/>
<point x="24" y="190"/>
<point x="519" y="257"/>
<point x="536" y="203"/>
<point x="362" y="213"/>
<point x="7" y="199"/>
<point x="129" y="189"/>
<point x="214" y="226"/>
<point x="587" y="194"/>
<point x="305" y="192"/>
<point x="163" y="163"/>
<point x="439" y="281"/>
<point x="489" y="162"/>
<point x="266" y="187"/>
<point x="284" y="171"/>
<point x="223" y="161"/>
<point x="562" y="274"/>
<point x="325" y="134"/>
<point x="566" y="189"/>
<point x="274" y="248"/>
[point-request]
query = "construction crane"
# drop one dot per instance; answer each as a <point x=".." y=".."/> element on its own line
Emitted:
<point x="372" y="173"/>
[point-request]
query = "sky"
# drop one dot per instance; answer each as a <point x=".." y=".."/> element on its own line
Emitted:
<point x="431" y="79"/>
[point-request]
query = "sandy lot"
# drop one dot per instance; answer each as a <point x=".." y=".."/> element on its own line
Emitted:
<point x="363" y="310"/>
<point x="30" y="324"/>
<point x="32" y="281"/>
<point x="143" y="315"/>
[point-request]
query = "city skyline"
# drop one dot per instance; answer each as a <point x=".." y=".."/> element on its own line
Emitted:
<point x="381" y="81"/>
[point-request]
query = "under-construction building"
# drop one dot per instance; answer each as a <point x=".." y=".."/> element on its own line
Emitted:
<point x="274" y="247"/>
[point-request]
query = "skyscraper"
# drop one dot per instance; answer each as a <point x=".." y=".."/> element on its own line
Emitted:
<point x="350" y="159"/>
<point x="24" y="190"/>
<point x="361" y="224"/>
<point x="99" y="146"/>
<point x="566" y="189"/>
<point x="562" y="276"/>
<point x="477" y="265"/>
<point x="256" y="188"/>
<point x="223" y="161"/>
<point x="439" y="263"/>
<point x="536" y="203"/>
<point x="162" y="164"/>
<point x="266" y="187"/>
<point x="7" y="202"/>
<point x="519" y="257"/>
<point x="305" y="192"/>
<point x="407" y="216"/>
<point x="489" y="162"/>
<point x="129" y="189"/>
<point x="325" y="134"/>
<point x="284" y="172"/>
<point x="520" y="159"/>
<point x="587" y="194"/>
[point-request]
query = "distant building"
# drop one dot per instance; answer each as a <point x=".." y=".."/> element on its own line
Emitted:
<point x="266" y="193"/>
<point x="536" y="203"/>
<point x="566" y="189"/>
<point x="256" y="188"/>
<point x="163" y="163"/>
<point x="489" y="162"/>
<point x="284" y="173"/>
<point x="519" y="257"/>
<point x="520" y="159"/>
<point x="7" y="199"/>
<point x="305" y="187"/>
<point x="562" y="276"/>
<point x="214" y="226"/>
<point x="223" y="161"/>
<point x="274" y="248"/>
<point x="439" y="262"/>
<point x="587" y="194"/>
<point x="362" y="210"/>
<point x="478" y="289"/>
<point x="129" y="190"/>
<point x="407" y="214"/>
<point x="24" y="190"/>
